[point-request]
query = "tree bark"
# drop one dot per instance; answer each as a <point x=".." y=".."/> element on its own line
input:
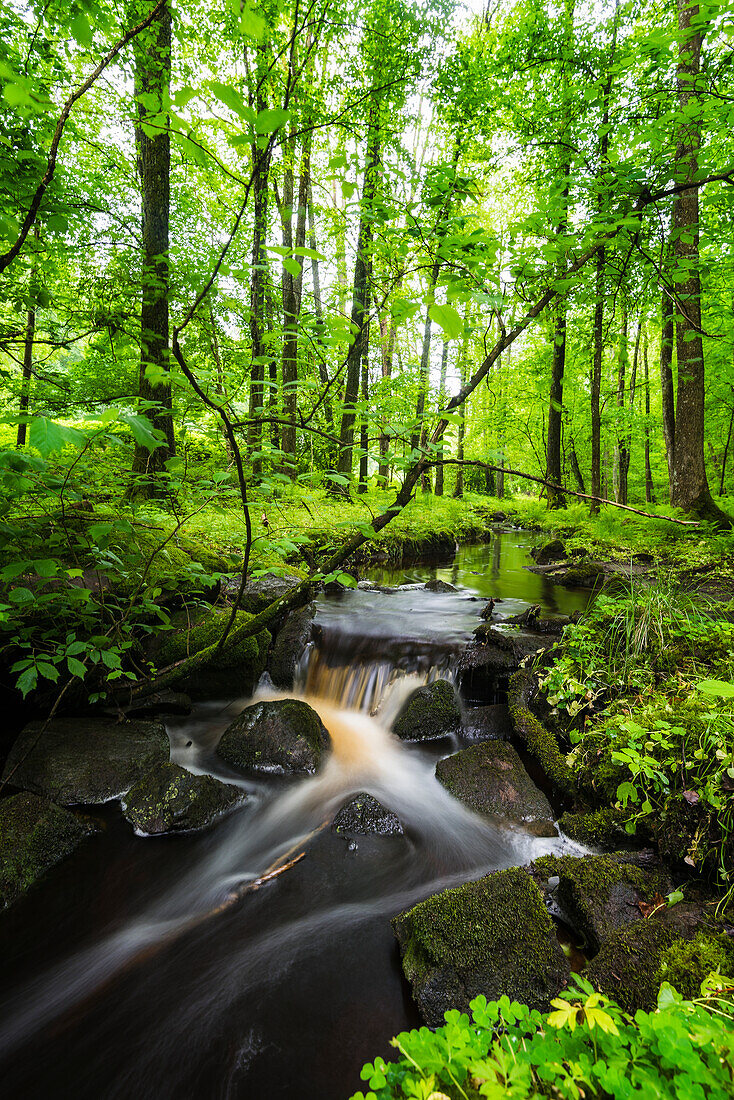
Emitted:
<point x="25" y="383"/>
<point x="649" y="487"/>
<point x="621" y="453"/>
<point x="442" y="397"/>
<point x="667" y="388"/>
<point x="690" y="489"/>
<point x="153" y="140"/>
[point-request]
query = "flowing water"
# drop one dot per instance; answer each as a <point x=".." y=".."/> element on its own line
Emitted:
<point x="147" y="968"/>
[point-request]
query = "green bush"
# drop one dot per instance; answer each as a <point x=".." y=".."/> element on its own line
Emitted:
<point x="585" y="1048"/>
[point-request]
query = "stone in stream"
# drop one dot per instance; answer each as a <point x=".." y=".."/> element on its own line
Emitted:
<point x="35" y="835"/>
<point x="259" y="592"/>
<point x="282" y="736"/>
<point x="234" y="668"/>
<point x="490" y="723"/>
<point x="85" y="760"/>
<point x="363" y="815"/>
<point x="430" y="712"/>
<point x="550" y="552"/>
<point x="439" y="586"/>
<point x="492" y="936"/>
<point x="290" y="642"/>
<point x="170" y="799"/>
<point x="491" y="780"/>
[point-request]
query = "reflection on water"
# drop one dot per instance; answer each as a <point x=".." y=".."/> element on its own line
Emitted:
<point x="130" y="974"/>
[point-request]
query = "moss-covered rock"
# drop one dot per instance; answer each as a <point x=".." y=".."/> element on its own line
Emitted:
<point x="363" y="815"/>
<point x="259" y="592"/>
<point x="628" y="964"/>
<point x="540" y="742"/>
<point x="85" y="760"/>
<point x="549" y="552"/>
<point x="170" y="799"/>
<point x="436" y="585"/>
<point x="491" y="936"/>
<point x="34" y="836"/>
<point x="599" y="894"/>
<point x="431" y="711"/>
<point x="603" y="829"/>
<point x="490" y="779"/>
<point x="236" y="667"/>
<point x="686" y="963"/>
<point x="290" y="642"/>
<point x="283" y="736"/>
<point x="490" y="723"/>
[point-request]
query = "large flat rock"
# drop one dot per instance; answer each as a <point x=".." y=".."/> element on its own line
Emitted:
<point x="85" y="760"/>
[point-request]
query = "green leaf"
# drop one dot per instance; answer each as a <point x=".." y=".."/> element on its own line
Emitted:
<point x="143" y="431"/>
<point x="76" y="668"/>
<point x="719" y="688"/>
<point x="230" y="98"/>
<point x="27" y="681"/>
<point x="48" y="436"/>
<point x="20" y="595"/>
<point x="81" y="30"/>
<point x="448" y="319"/>
<point x="270" y="120"/>
<point x="292" y="266"/>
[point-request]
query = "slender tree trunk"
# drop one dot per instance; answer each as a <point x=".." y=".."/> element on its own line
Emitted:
<point x="442" y="392"/>
<point x="649" y="487"/>
<point x="319" y="311"/>
<point x="690" y="489"/>
<point x="219" y="384"/>
<point x="667" y="335"/>
<point x="387" y="336"/>
<point x="292" y="292"/>
<point x="25" y="384"/>
<point x="575" y="468"/>
<point x="463" y="372"/>
<point x="364" y="420"/>
<point x="360" y="296"/>
<point x="258" y="281"/>
<point x="152" y="79"/>
<point x="621" y="454"/>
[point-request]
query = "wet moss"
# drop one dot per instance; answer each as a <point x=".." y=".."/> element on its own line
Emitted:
<point x="431" y="712"/>
<point x="283" y="736"/>
<point x="237" y="665"/>
<point x="628" y="964"/>
<point x="602" y="829"/>
<point x="539" y="740"/>
<point x="35" y="835"/>
<point x="491" y="936"/>
<point x="686" y="963"/>
<point x="171" y="799"/>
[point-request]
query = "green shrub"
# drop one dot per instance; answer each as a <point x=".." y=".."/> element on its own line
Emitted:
<point x="585" y="1048"/>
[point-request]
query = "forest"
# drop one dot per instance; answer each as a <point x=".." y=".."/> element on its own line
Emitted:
<point x="306" y="303"/>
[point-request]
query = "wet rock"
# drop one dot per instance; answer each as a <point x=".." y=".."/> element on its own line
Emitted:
<point x="34" y="836"/>
<point x="236" y="667"/>
<point x="283" y="736"/>
<point x="431" y="712"/>
<point x="85" y="760"/>
<point x="488" y="610"/>
<point x="540" y="742"/>
<point x="439" y="586"/>
<point x="170" y="799"/>
<point x="290" y="642"/>
<point x="363" y="815"/>
<point x="550" y="552"/>
<point x="162" y="702"/>
<point x="491" y="780"/>
<point x="498" y="517"/>
<point x="490" y="723"/>
<point x="587" y="574"/>
<point x="498" y="651"/>
<point x="259" y="592"/>
<point x="492" y="936"/>
<point x="627" y="966"/>
<point x="603" y="829"/>
<point x="598" y="895"/>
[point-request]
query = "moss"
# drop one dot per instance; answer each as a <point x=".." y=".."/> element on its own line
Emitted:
<point x="431" y="712"/>
<point x="491" y="936"/>
<point x="599" y="829"/>
<point x="35" y="834"/>
<point x="628" y="964"/>
<point x="171" y="799"/>
<point x="283" y="736"/>
<point x="687" y="963"/>
<point x="237" y="665"/>
<point x="539" y="740"/>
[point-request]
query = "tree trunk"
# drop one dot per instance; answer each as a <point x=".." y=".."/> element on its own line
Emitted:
<point x="25" y="384"/>
<point x="690" y="490"/>
<point x="621" y="454"/>
<point x="387" y="336"/>
<point x="364" y="421"/>
<point x="360" y="297"/>
<point x="667" y="335"/>
<point x="292" y="292"/>
<point x="442" y="389"/>
<point x="152" y="79"/>
<point x="576" y="469"/>
<point x="319" y="311"/>
<point x="649" y="488"/>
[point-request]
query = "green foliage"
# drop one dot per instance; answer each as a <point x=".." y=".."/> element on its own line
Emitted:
<point x="585" y="1048"/>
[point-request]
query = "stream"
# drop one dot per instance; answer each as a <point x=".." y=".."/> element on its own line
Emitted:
<point x="121" y="980"/>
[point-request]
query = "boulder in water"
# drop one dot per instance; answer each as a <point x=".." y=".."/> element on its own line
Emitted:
<point x="34" y="836"/>
<point x="490" y="723"/>
<point x="439" y="586"/>
<point x="290" y="642"/>
<point x="236" y="667"/>
<point x="431" y="712"/>
<point x="259" y="592"/>
<point x="491" y="780"/>
<point x="283" y="736"/>
<point x="492" y="936"/>
<point x="85" y="760"/>
<point x="549" y="552"/>
<point x="170" y="799"/>
<point x="363" y="815"/>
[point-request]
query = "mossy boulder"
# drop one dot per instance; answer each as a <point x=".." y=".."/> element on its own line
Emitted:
<point x="541" y="743"/>
<point x="170" y="799"/>
<point x="85" y="760"/>
<point x="259" y="592"/>
<point x="687" y="963"/>
<point x="583" y="574"/>
<point x="430" y="712"/>
<point x="598" y="895"/>
<point x="283" y="736"/>
<point x="491" y="780"/>
<point x="436" y="585"/>
<point x="603" y="829"/>
<point x="35" y="835"/>
<point x="236" y="667"/>
<point x="629" y="963"/>
<point x="549" y="552"/>
<point x="290" y="642"/>
<point x="489" y="723"/>
<point x="492" y="936"/>
<point x="363" y="815"/>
